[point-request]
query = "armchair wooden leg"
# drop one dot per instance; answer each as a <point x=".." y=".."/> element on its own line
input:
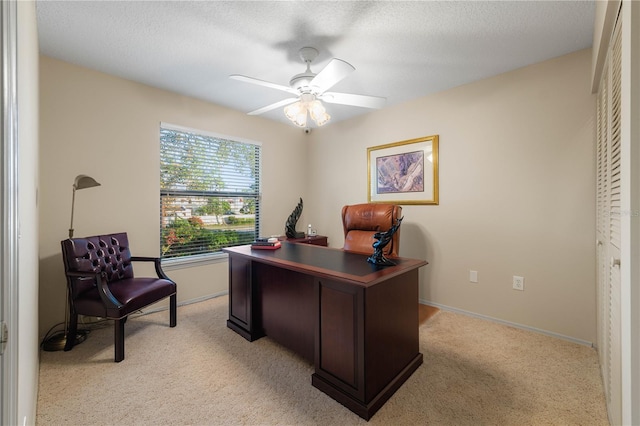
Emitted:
<point x="119" y="338"/>
<point x="173" y="303"/>
<point x="71" y="331"/>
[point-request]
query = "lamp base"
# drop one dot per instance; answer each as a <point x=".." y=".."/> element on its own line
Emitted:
<point x="57" y="341"/>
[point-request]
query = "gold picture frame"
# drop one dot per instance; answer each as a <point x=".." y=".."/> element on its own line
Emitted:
<point x="404" y="172"/>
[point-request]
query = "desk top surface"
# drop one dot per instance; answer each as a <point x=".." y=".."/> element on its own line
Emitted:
<point x="328" y="262"/>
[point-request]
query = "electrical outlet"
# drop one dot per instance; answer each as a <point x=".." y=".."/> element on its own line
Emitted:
<point x="473" y="276"/>
<point x="518" y="283"/>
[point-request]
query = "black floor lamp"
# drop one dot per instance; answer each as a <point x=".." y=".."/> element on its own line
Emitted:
<point x="58" y="340"/>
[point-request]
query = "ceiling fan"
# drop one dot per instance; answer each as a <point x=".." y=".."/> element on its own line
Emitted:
<point x="311" y="88"/>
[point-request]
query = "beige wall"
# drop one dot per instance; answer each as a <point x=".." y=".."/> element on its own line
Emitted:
<point x="516" y="193"/>
<point x="516" y="183"/>
<point x="108" y="128"/>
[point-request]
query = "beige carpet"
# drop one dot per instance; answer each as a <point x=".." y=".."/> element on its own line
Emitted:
<point x="201" y="373"/>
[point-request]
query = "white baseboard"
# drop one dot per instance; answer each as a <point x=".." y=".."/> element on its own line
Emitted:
<point x="423" y="302"/>
<point x="508" y="323"/>
<point x="185" y="302"/>
<point x="203" y="298"/>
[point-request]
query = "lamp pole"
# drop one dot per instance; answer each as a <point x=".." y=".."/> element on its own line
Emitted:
<point x="58" y="340"/>
<point x="73" y="202"/>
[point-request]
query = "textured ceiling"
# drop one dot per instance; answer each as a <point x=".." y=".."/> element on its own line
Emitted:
<point x="401" y="50"/>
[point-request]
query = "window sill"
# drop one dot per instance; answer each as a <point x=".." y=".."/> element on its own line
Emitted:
<point x="193" y="261"/>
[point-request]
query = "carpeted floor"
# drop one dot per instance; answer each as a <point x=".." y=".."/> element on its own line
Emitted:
<point x="475" y="372"/>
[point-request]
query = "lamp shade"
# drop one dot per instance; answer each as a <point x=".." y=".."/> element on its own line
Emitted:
<point x="81" y="182"/>
<point x="84" y="181"/>
<point x="318" y="113"/>
<point x="297" y="112"/>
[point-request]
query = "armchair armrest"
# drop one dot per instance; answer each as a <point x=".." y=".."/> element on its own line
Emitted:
<point x="156" y="264"/>
<point x="101" y="283"/>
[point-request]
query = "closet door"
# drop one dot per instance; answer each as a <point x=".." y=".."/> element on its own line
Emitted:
<point x="615" y="357"/>
<point x="602" y="224"/>
<point x="609" y="226"/>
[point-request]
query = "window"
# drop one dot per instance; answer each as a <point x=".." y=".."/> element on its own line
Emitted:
<point x="209" y="192"/>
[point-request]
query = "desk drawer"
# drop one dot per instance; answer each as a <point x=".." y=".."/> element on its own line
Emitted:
<point x="317" y="240"/>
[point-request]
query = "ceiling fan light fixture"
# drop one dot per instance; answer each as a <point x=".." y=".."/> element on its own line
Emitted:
<point x="318" y="113"/>
<point x="297" y="113"/>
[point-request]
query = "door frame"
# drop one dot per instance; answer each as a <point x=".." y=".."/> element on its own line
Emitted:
<point x="9" y="230"/>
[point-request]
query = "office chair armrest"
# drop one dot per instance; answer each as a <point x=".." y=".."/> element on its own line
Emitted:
<point x="156" y="264"/>
<point x="100" y="280"/>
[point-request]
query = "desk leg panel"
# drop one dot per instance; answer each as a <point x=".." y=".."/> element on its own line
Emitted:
<point x="366" y="410"/>
<point x="340" y="336"/>
<point x="244" y="314"/>
<point x="367" y="340"/>
<point x="391" y="332"/>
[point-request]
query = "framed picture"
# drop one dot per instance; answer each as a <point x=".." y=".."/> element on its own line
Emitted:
<point x="404" y="172"/>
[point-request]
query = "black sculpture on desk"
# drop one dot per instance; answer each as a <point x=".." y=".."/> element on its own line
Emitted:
<point x="290" y="227"/>
<point x="377" y="258"/>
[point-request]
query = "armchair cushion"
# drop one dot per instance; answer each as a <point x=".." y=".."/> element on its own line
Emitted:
<point x="133" y="294"/>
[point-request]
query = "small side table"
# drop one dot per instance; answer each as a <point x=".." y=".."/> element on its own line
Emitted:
<point x="318" y="240"/>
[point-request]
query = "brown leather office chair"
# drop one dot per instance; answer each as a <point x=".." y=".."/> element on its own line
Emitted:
<point x="361" y="221"/>
<point x="101" y="283"/>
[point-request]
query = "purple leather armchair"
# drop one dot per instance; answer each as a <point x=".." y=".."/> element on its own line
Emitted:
<point x="101" y="283"/>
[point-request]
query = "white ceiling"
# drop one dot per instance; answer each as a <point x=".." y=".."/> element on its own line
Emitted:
<point x="401" y="50"/>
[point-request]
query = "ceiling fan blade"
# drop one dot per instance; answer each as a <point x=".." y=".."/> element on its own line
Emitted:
<point x="263" y="83"/>
<point x="363" y="101"/>
<point x="335" y="71"/>
<point x="273" y="106"/>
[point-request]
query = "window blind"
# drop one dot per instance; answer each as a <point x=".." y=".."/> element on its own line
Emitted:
<point x="209" y="192"/>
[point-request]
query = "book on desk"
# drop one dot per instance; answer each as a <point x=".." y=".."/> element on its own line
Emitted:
<point x="263" y="243"/>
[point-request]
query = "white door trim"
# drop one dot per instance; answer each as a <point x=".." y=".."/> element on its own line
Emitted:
<point x="9" y="213"/>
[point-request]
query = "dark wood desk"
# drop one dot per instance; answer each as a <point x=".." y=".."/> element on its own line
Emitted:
<point x="356" y="322"/>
